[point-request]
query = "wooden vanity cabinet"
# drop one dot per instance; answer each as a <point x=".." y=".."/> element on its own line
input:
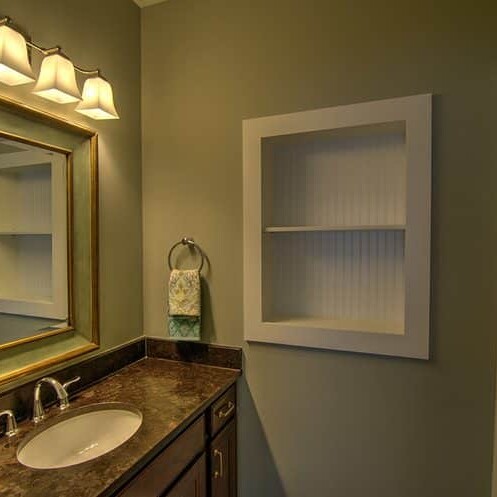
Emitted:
<point x="200" y="462"/>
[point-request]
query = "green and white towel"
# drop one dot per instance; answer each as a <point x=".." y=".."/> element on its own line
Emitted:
<point x="184" y="304"/>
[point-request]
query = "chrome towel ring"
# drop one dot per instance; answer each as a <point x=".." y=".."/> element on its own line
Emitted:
<point x="190" y="243"/>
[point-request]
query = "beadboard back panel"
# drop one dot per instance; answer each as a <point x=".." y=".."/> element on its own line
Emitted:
<point x="26" y="268"/>
<point x="336" y="179"/>
<point x="25" y="196"/>
<point x="336" y="276"/>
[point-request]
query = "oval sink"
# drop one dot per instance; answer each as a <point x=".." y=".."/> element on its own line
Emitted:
<point x="79" y="435"/>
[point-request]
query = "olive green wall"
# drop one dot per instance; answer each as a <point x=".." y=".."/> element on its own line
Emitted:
<point x="104" y="34"/>
<point x="316" y="423"/>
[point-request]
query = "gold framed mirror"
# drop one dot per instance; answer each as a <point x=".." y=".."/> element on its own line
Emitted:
<point x="48" y="240"/>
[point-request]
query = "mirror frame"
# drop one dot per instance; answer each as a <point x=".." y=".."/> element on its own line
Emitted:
<point x="52" y="120"/>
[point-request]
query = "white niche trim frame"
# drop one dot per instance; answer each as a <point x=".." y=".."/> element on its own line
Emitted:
<point x="337" y="227"/>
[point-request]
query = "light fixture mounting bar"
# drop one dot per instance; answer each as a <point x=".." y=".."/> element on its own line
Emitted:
<point x="58" y="49"/>
<point x="7" y="21"/>
<point x="88" y="72"/>
<point x="57" y="79"/>
<point x="44" y="51"/>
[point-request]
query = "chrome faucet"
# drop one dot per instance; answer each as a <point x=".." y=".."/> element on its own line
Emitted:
<point x="60" y="390"/>
<point x="11" y="424"/>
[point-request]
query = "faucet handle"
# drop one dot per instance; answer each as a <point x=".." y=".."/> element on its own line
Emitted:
<point x="70" y="382"/>
<point x="64" y="401"/>
<point x="11" y="424"/>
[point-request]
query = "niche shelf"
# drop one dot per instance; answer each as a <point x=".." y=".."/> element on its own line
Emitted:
<point x="337" y="227"/>
<point x="33" y="231"/>
<point x="362" y="227"/>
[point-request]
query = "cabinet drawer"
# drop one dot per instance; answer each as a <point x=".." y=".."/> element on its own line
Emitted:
<point x="222" y="411"/>
<point x="167" y="466"/>
<point x="193" y="483"/>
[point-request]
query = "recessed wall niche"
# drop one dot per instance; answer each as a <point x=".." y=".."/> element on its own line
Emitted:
<point x="337" y="227"/>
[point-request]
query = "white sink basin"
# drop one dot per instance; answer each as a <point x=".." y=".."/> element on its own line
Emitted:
<point x="79" y="435"/>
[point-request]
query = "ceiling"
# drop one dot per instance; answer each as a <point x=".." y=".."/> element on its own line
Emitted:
<point x="146" y="3"/>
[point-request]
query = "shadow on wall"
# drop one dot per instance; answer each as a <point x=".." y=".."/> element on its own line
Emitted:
<point x="208" y="334"/>
<point x="257" y="473"/>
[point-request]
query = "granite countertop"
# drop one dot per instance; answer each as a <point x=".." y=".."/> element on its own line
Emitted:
<point x="169" y="394"/>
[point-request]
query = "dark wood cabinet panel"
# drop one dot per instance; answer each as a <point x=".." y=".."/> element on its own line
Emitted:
<point x="222" y="463"/>
<point x="169" y="464"/>
<point x="193" y="483"/>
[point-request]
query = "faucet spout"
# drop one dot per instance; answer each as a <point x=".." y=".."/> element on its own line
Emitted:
<point x="60" y="390"/>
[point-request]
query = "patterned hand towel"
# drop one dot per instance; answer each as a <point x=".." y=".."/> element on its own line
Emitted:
<point x="184" y="304"/>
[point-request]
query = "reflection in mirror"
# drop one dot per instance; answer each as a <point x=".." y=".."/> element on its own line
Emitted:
<point x="48" y="241"/>
<point x="34" y="268"/>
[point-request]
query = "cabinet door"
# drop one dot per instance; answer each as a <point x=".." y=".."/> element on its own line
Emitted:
<point x="223" y="463"/>
<point x="155" y="478"/>
<point x="192" y="484"/>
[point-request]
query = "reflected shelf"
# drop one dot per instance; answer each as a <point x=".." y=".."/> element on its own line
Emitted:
<point x="25" y="233"/>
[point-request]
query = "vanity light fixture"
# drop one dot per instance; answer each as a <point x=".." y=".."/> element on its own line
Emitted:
<point x="57" y="78"/>
<point x="15" y="68"/>
<point x="98" y="100"/>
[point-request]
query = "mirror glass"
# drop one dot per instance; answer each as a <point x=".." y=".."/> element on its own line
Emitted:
<point x="34" y="290"/>
<point x="48" y="241"/>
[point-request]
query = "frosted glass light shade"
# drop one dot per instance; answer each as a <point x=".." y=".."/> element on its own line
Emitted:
<point x="98" y="100"/>
<point x="15" y="68"/>
<point x="57" y="80"/>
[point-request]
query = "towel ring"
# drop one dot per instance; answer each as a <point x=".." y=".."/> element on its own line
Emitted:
<point x="191" y="243"/>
